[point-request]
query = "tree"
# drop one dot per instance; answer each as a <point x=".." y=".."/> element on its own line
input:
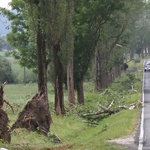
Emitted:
<point x="70" y="45"/>
<point x="111" y="49"/>
<point x="89" y="18"/>
<point x="5" y="71"/>
<point x="59" y="41"/>
<point x="31" y="34"/>
<point x="31" y="50"/>
<point x="50" y="21"/>
<point x="21" y="37"/>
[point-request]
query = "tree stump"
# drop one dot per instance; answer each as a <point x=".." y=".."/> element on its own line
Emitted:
<point x="35" y="116"/>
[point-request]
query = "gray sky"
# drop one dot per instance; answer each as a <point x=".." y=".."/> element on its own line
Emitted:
<point x="4" y="3"/>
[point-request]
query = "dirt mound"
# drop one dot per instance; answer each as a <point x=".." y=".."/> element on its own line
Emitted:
<point x="35" y="116"/>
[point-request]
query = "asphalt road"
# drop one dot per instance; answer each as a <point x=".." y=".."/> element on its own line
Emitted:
<point x="144" y="138"/>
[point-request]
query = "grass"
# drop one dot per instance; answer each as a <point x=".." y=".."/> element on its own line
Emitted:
<point x="74" y="131"/>
<point x="76" y="134"/>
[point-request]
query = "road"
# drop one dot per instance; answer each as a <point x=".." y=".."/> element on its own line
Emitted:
<point x="144" y="138"/>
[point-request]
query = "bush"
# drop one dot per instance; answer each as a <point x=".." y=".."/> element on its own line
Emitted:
<point x="5" y="71"/>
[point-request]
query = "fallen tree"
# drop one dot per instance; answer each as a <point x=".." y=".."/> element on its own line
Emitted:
<point x="4" y="130"/>
<point x="104" y="111"/>
<point x="35" y="116"/>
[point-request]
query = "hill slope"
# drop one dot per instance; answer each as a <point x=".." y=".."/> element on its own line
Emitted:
<point x="4" y="24"/>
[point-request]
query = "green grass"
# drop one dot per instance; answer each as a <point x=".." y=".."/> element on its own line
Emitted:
<point x="76" y="134"/>
<point x="74" y="131"/>
<point x="71" y="129"/>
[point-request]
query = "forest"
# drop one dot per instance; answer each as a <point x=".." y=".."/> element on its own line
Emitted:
<point x="88" y="53"/>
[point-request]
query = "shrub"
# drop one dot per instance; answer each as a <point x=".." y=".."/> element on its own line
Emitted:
<point x="5" y="71"/>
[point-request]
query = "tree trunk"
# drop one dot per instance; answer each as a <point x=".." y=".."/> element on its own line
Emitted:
<point x="97" y="72"/>
<point x="42" y="66"/>
<point x="80" y="94"/>
<point x="131" y="55"/>
<point x="70" y="83"/>
<point x="58" y="81"/>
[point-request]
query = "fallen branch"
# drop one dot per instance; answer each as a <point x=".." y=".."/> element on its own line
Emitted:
<point x="106" y="111"/>
<point x="55" y="137"/>
<point x="111" y="104"/>
<point x="2" y="99"/>
<point x="7" y="102"/>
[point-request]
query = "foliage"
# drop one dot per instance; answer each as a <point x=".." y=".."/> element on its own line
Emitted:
<point x="120" y="93"/>
<point x="4" y="45"/>
<point x="2" y="42"/>
<point x="5" y="71"/>
<point x="20" y="37"/>
<point x="125" y="83"/>
<point x="19" y="73"/>
<point x="88" y="21"/>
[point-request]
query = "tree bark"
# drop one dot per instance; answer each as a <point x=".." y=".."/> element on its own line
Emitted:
<point x="70" y="83"/>
<point x="80" y="94"/>
<point x="102" y="76"/>
<point x="58" y="81"/>
<point x="97" y="72"/>
<point x="42" y="65"/>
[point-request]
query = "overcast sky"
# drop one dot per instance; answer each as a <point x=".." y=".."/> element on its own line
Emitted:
<point x="4" y="3"/>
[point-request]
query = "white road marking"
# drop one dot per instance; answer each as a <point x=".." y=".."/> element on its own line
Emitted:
<point x="141" y="138"/>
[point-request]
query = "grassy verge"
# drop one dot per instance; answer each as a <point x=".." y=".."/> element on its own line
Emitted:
<point x="73" y="130"/>
<point x="76" y="134"/>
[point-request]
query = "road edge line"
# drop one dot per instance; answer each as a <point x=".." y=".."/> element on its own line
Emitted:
<point x="141" y="137"/>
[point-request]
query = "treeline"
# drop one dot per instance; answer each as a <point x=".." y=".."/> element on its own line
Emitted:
<point x="4" y="45"/>
<point x="12" y="73"/>
<point x="65" y="39"/>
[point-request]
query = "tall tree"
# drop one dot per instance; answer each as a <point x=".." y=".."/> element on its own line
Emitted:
<point x="70" y="45"/>
<point x="29" y="30"/>
<point x="110" y="50"/>
<point x="89" y="17"/>
<point x="59" y="40"/>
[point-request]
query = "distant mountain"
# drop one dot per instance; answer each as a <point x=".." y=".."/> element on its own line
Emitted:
<point x="4" y="24"/>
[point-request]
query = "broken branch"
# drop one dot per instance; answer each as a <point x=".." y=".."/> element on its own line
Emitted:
<point x="7" y="102"/>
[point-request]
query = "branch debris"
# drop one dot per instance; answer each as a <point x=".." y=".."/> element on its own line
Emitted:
<point x="104" y="111"/>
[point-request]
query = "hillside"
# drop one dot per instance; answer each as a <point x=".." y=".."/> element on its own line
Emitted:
<point x="4" y="24"/>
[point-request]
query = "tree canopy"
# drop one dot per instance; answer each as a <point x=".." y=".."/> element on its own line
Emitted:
<point x="50" y="34"/>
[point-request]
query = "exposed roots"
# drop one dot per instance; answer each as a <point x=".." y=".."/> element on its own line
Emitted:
<point x="35" y="116"/>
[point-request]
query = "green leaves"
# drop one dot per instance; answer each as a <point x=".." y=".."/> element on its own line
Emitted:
<point x="5" y="71"/>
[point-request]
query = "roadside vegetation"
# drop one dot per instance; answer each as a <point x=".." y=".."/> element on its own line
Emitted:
<point x="73" y="131"/>
<point x="84" y="61"/>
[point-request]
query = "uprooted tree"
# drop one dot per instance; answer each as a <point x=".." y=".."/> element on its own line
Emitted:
<point x="32" y="35"/>
<point x="30" y="119"/>
<point x="4" y="130"/>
